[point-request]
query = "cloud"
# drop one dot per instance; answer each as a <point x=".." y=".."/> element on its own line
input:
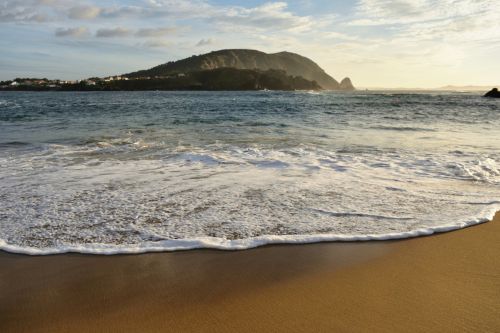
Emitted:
<point x="270" y="16"/>
<point x="22" y="16"/>
<point x="141" y="33"/>
<point x="179" y="8"/>
<point x="22" y="11"/>
<point x="174" y="9"/>
<point x="414" y="22"/>
<point x="387" y="12"/>
<point x="338" y="36"/>
<point x="113" y="32"/>
<point x="85" y="12"/>
<point x="205" y="42"/>
<point x="155" y="32"/>
<point x="273" y="16"/>
<point x="157" y="44"/>
<point x="125" y="12"/>
<point x="72" y="32"/>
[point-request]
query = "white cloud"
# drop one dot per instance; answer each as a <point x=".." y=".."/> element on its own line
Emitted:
<point x="85" y="12"/>
<point x="205" y="42"/>
<point x="155" y="32"/>
<point x="390" y="12"/>
<point x="273" y="16"/>
<point x="22" y="11"/>
<point x="157" y="44"/>
<point x="72" y="32"/>
<point x="117" y="32"/>
<point x="125" y="12"/>
<point x="270" y="16"/>
<point x="338" y="36"/>
<point x="447" y="30"/>
<point x="113" y="32"/>
<point x="22" y="16"/>
<point x="179" y="8"/>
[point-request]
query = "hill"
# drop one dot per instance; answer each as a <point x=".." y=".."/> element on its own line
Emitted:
<point x="293" y="64"/>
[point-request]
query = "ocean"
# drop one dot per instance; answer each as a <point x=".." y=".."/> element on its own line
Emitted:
<point x="133" y="172"/>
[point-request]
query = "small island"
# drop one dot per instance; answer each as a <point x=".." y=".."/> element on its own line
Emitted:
<point x="219" y="70"/>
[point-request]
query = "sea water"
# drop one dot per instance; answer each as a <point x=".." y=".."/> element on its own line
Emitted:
<point x="130" y="172"/>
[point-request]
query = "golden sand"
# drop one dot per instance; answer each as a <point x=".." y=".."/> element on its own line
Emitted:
<point x="443" y="283"/>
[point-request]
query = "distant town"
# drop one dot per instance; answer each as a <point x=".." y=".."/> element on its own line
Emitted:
<point x="93" y="83"/>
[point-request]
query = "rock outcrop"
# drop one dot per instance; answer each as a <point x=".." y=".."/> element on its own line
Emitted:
<point x="493" y="93"/>
<point x="346" y="84"/>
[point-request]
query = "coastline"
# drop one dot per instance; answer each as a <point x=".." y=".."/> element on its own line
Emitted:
<point x="210" y="243"/>
<point x="444" y="282"/>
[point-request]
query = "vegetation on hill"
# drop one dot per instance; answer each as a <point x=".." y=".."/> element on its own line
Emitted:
<point x="217" y="79"/>
<point x="291" y="63"/>
<point x="220" y="79"/>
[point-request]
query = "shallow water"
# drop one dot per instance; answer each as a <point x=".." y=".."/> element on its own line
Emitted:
<point x="125" y="172"/>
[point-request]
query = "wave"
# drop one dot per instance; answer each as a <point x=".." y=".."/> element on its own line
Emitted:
<point x="452" y="165"/>
<point x="486" y="170"/>
<point x="262" y="124"/>
<point x="383" y="217"/>
<point x="403" y="128"/>
<point x="243" y="244"/>
<point x="6" y="103"/>
<point x="13" y="144"/>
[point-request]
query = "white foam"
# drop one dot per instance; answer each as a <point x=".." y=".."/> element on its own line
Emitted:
<point x="69" y="199"/>
<point x="487" y="170"/>
<point x="241" y="244"/>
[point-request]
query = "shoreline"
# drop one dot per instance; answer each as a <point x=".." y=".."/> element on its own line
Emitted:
<point x="447" y="282"/>
<point x="220" y="244"/>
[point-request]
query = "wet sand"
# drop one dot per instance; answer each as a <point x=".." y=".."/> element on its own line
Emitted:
<point x="443" y="283"/>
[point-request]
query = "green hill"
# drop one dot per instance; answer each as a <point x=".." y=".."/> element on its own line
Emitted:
<point x="293" y="64"/>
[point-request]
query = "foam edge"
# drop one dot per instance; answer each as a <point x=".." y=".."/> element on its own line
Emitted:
<point x="244" y="244"/>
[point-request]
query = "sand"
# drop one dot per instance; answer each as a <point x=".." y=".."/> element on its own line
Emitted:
<point x="443" y="283"/>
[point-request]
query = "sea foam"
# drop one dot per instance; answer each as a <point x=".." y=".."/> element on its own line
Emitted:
<point x="240" y="244"/>
<point x="230" y="198"/>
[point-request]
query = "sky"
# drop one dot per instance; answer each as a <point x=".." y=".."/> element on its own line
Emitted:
<point x="377" y="43"/>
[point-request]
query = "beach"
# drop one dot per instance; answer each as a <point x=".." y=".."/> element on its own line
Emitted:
<point x="259" y="166"/>
<point x="442" y="283"/>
